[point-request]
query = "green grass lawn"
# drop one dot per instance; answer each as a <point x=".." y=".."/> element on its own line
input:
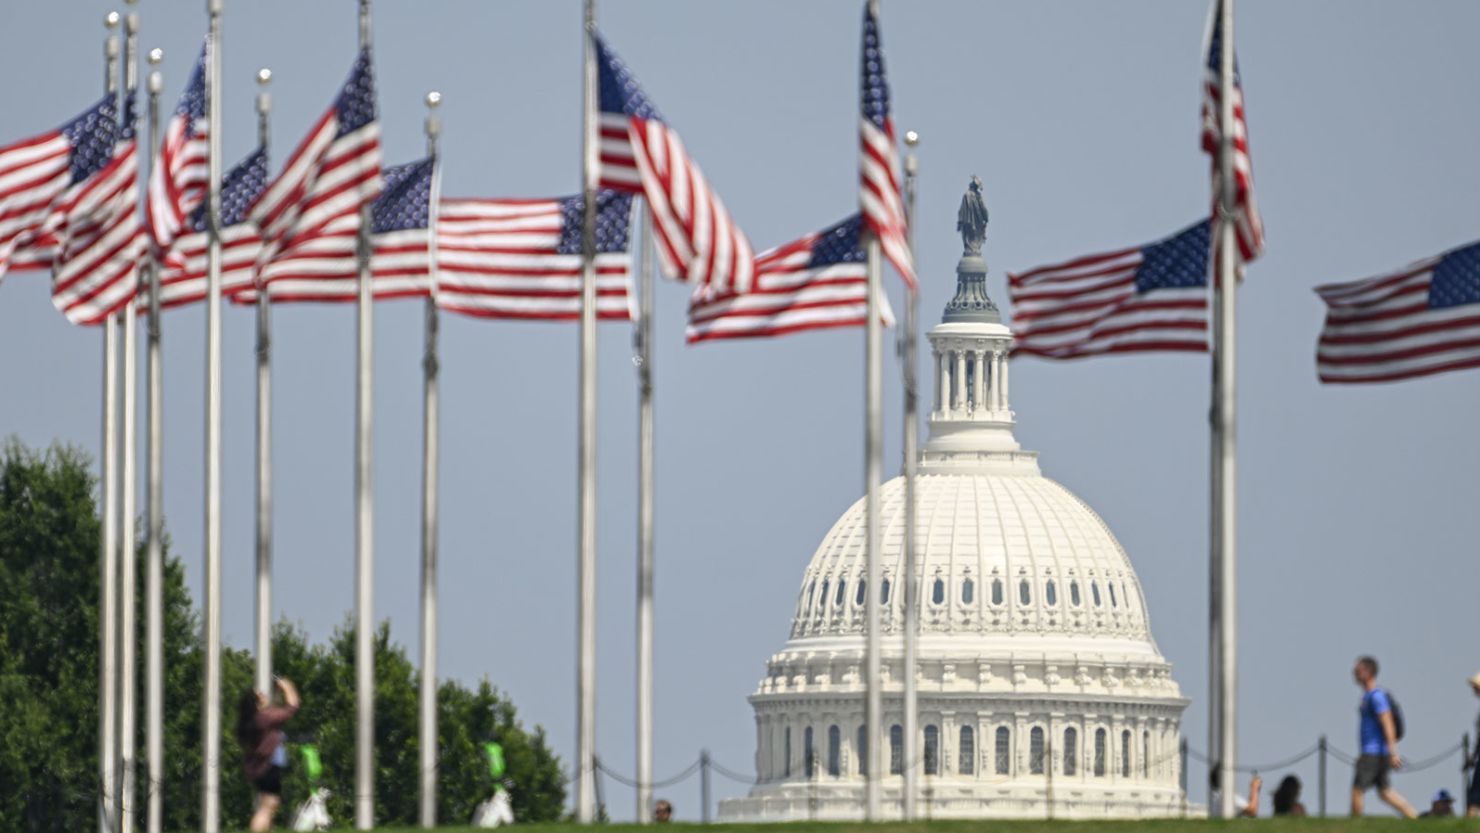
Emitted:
<point x="1331" y="825"/>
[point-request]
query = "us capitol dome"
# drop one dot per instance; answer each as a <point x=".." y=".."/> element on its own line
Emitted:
<point x="1040" y="687"/>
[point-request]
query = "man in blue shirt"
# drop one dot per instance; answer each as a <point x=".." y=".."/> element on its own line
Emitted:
<point x="1378" y="738"/>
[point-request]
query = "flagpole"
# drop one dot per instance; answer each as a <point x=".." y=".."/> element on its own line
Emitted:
<point x="873" y="467"/>
<point x="211" y="699"/>
<point x="909" y="344"/>
<point x="154" y="558"/>
<point x="430" y="463"/>
<point x="1226" y="500"/>
<point x="364" y="518"/>
<point x="108" y="564"/>
<point x="586" y="535"/>
<point x="264" y="434"/>
<point x="128" y="556"/>
<point x="645" y="447"/>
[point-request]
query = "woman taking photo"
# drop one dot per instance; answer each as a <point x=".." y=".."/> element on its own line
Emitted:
<point x="259" y="730"/>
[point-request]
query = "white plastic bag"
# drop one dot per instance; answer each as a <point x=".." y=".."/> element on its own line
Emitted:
<point x="313" y="814"/>
<point x="494" y="812"/>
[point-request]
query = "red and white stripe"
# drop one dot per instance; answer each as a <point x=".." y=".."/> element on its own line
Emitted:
<point x="788" y="297"/>
<point x="1248" y="225"/>
<point x="1089" y="306"/>
<point x="698" y="242"/>
<point x="1382" y="329"/>
<point x="101" y="240"/>
<point x="325" y="268"/>
<point x="182" y="276"/>
<point x="33" y="174"/>
<point x="879" y="195"/>
<point x="326" y="180"/>
<point x="178" y="180"/>
<point x="500" y="258"/>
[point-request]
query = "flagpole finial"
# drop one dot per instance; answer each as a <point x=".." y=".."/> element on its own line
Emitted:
<point x="156" y="80"/>
<point x="264" y="76"/>
<point x="155" y="56"/>
<point x="111" y="20"/>
<point x="433" y="99"/>
<point x="911" y="138"/>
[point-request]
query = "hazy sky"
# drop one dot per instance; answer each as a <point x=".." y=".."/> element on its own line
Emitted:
<point x="1357" y="505"/>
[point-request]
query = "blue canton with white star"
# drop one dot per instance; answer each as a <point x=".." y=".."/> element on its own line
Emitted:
<point x="192" y="104"/>
<point x="405" y="202"/>
<point x="875" y="86"/>
<point x="1178" y="262"/>
<point x="92" y="136"/>
<point x="1456" y="280"/>
<point x="355" y="106"/>
<point x="838" y="244"/>
<point x="618" y="89"/>
<point x="239" y="189"/>
<point x="613" y="214"/>
<point x="1215" y="45"/>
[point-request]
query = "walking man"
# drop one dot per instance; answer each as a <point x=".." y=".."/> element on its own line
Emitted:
<point x="1378" y="735"/>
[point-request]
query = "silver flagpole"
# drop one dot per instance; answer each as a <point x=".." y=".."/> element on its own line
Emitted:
<point x="909" y="344"/>
<point x="127" y="554"/>
<point x="872" y="473"/>
<point x="364" y="519"/>
<point x="430" y="462"/>
<point x="211" y="699"/>
<point x="108" y="563"/>
<point x="645" y="447"/>
<point x="1226" y="501"/>
<point x="154" y="563"/>
<point x="264" y="435"/>
<point x="586" y="535"/>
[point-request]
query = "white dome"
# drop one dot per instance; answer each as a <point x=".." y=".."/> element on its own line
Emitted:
<point x="1002" y="558"/>
<point x="1039" y="686"/>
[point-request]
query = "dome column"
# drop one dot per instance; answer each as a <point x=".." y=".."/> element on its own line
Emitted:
<point x="958" y="394"/>
<point x="979" y="382"/>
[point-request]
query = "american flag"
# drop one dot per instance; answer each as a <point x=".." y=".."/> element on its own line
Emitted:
<point x="697" y="240"/>
<point x="325" y="267"/>
<point x="35" y="173"/>
<point x="813" y="283"/>
<point x="100" y="236"/>
<point x="1147" y="298"/>
<point x="521" y="258"/>
<point x="182" y="276"/>
<point x="1421" y="320"/>
<point x="334" y="172"/>
<point x="1248" y="226"/>
<point x="180" y="176"/>
<point x="879" y="195"/>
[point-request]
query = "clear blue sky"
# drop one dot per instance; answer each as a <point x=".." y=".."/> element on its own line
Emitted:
<point x="1357" y="514"/>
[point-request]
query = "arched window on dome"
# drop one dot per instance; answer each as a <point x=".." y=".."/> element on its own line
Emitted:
<point x="841" y="594"/>
<point x="834" y="751"/>
<point x="932" y="749"/>
<point x="1146" y="754"/>
<point x="1074" y="593"/>
<point x="996" y="591"/>
<point x="1094" y="592"/>
<point x="1125" y="754"/>
<point x="1050" y="593"/>
<point x="786" y="753"/>
<point x="1025" y="592"/>
<point x="1125" y="593"/>
<point x="938" y="592"/>
<point x="1100" y="741"/>
<point x="966" y="752"/>
<point x="1004" y="751"/>
<point x="1071" y="751"/>
<point x="809" y="759"/>
<point x="860" y="750"/>
<point x="1111" y="585"/>
<point x="861" y="595"/>
<point x="968" y="591"/>
<point x="1035" y="751"/>
<point x="884" y="592"/>
<point x="822" y="599"/>
<point x="896" y="749"/>
<point x="811" y="591"/>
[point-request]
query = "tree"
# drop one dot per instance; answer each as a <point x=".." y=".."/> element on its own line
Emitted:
<point x="49" y="541"/>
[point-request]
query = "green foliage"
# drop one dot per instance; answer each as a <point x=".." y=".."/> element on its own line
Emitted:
<point x="49" y="640"/>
